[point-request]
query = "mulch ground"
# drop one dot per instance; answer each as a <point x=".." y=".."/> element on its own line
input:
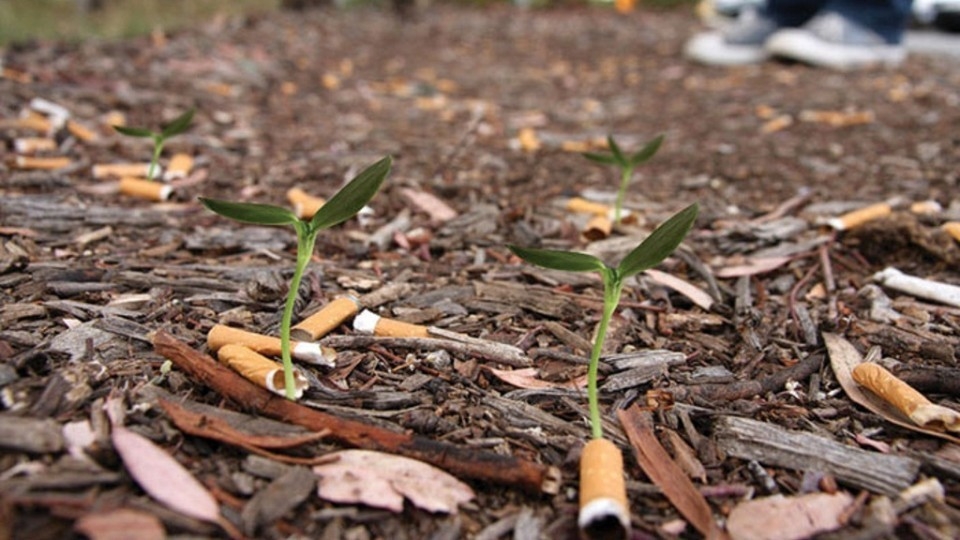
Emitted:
<point x="485" y="110"/>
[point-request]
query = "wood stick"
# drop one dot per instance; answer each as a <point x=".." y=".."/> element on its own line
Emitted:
<point x="749" y="388"/>
<point x="460" y="461"/>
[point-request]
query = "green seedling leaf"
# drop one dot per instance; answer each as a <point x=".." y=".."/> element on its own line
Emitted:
<point x="133" y="131"/>
<point x="615" y="150"/>
<point x="660" y="244"/>
<point x="559" y="260"/>
<point x="605" y="159"/>
<point x="178" y="126"/>
<point x="646" y="152"/>
<point x="352" y="197"/>
<point x="261" y="214"/>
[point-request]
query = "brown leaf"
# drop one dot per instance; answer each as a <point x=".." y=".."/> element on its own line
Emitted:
<point x="788" y="518"/>
<point x="843" y="358"/>
<point x="161" y="476"/>
<point x="438" y="210"/>
<point x="383" y="480"/>
<point x="666" y="474"/>
<point x="121" y="524"/>
<point x="752" y="267"/>
<point x="691" y="291"/>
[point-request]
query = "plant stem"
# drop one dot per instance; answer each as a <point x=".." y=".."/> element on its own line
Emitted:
<point x="611" y="297"/>
<point x="155" y="161"/>
<point x="305" y="242"/>
<point x="625" y="174"/>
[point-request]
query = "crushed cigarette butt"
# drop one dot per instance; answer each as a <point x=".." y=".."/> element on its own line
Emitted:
<point x="179" y="166"/>
<point x="32" y="145"/>
<point x="145" y="189"/>
<point x="953" y="229"/>
<point x="309" y="353"/>
<point x="905" y="398"/>
<point x="106" y="170"/>
<point x="80" y="131"/>
<point x="42" y="163"/>
<point x="304" y="204"/>
<point x="368" y="322"/>
<point x="583" y="206"/>
<point x="324" y="321"/>
<point x="260" y="370"/>
<point x="859" y="217"/>
<point x="598" y="228"/>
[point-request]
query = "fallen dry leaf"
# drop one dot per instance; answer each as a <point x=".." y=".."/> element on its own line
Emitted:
<point x="438" y="210"/>
<point x="121" y="524"/>
<point x="527" y="378"/>
<point x="691" y="291"/>
<point x="752" y="267"/>
<point x="162" y="477"/>
<point x="383" y="480"/>
<point x="843" y="358"/>
<point x="788" y="518"/>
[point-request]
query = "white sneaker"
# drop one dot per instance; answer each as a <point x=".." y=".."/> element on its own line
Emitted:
<point x="832" y="41"/>
<point x="739" y="43"/>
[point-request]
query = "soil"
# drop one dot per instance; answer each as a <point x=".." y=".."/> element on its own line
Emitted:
<point x="486" y="110"/>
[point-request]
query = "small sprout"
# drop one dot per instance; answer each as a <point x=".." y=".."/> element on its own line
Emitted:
<point x="626" y="164"/>
<point x="178" y="126"/>
<point x="341" y="207"/>
<point x="654" y="249"/>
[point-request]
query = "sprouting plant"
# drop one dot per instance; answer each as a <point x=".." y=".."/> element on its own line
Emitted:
<point x="626" y="164"/>
<point x="341" y="207"/>
<point x="176" y="127"/>
<point x="654" y="249"/>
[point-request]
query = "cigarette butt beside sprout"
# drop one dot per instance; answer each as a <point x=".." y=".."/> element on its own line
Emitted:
<point x="145" y="189"/>
<point x="368" y="322"/>
<point x="604" y="511"/>
<point x="860" y="216"/>
<point x="304" y="204"/>
<point x="324" y="321"/>
<point x="260" y="370"/>
<point x="309" y="353"/>
<point x="905" y="398"/>
<point x="179" y="167"/>
<point x="583" y="206"/>
<point x="136" y="170"/>
<point x="597" y="228"/>
<point x="42" y="163"/>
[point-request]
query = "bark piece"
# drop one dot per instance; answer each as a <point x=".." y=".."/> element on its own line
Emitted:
<point x="32" y="435"/>
<point x="534" y="299"/>
<point x="773" y="445"/>
<point x="281" y="496"/>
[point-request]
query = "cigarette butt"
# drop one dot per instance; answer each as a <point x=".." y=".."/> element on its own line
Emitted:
<point x="32" y="145"/>
<point x="42" y="163"/>
<point x="905" y="398"/>
<point x="528" y="140"/>
<point x="324" y="321"/>
<point x="926" y="208"/>
<point x="583" y="206"/>
<point x="145" y="189"/>
<point x="114" y="118"/>
<point x="16" y="75"/>
<point x="369" y="322"/>
<point x="944" y="293"/>
<point x="179" y="167"/>
<point x="779" y="123"/>
<point x="136" y="170"/>
<point x="30" y="121"/>
<point x="260" y="370"/>
<point x="81" y="131"/>
<point x="953" y="229"/>
<point x="597" y="228"/>
<point x="861" y="216"/>
<point x="603" y="492"/>
<point x="311" y="353"/>
<point x="304" y="204"/>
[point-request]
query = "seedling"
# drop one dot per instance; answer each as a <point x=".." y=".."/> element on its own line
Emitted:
<point x="626" y="164"/>
<point x="341" y="207"/>
<point x="178" y="126"/>
<point x="603" y="496"/>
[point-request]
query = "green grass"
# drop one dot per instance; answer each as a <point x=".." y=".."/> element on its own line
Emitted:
<point x="25" y="20"/>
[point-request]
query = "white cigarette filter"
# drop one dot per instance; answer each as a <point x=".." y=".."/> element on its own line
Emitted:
<point x="922" y="288"/>
<point x="368" y="322"/>
<point x="260" y="370"/>
<point x="324" y="321"/>
<point x="859" y="217"/>
<point x="145" y="189"/>
<point x="309" y="353"/>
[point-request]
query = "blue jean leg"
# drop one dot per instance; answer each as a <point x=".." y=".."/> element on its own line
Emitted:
<point x="888" y="18"/>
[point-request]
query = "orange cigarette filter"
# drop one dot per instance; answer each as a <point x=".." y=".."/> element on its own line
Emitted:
<point x="145" y="189"/>
<point x="30" y="121"/>
<point x="136" y="170"/>
<point x="312" y="353"/>
<point x="861" y="216"/>
<point x="583" y="206"/>
<point x="260" y="370"/>
<point x="905" y="398"/>
<point x="304" y="204"/>
<point x="603" y="491"/>
<point x="180" y="166"/>
<point x="81" y="131"/>
<point x="32" y="145"/>
<point x="953" y="229"/>
<point x="42" y="163"/>
<point x="324" y="321"/>
<point x="369" y="322"/>
<point x="926" y="208"/>
<point x="597" y="228"/>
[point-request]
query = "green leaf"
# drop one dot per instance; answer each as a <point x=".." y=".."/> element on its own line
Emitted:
<point x="615" y="149"/>
<point x="179" y="125"/>
<point x="660" y="244"/>
<point x="647" y="151"/>
<point x="352" y="197"/>
<point x="559" y="260"/>
<point x="261" y="214"/>
<point x="606" y="159"/>
<point x="133" y="131"/>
